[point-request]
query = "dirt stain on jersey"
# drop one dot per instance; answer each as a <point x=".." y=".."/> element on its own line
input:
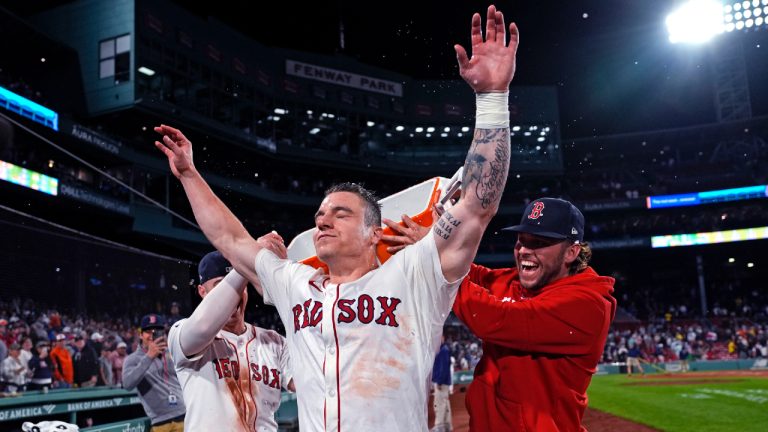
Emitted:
<point x="237" y="400"/>
<point x="407" y="335"/>
<point x="372" y="375"/>
<point x="239" y="387"/>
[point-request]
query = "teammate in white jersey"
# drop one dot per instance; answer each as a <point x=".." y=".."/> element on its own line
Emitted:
<point x="363" y="336"/>
<point x="231" y="372"/>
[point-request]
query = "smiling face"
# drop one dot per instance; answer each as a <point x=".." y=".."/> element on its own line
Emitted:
<point x="542" y="260"/>
<point x="341" y="229"/>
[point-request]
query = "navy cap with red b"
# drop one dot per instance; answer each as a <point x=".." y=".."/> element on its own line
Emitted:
<point x="213" y="265"/>
<point x="553" y="218"/>
<point x="152" y="321"/>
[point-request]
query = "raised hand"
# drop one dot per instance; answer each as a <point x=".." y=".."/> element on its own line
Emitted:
<point x="156" y="347"/>
<point x="177" y="148"/>
<point x="492" y="65"/>
<point x="275" y="243"/>
<point x="404" y="235"/>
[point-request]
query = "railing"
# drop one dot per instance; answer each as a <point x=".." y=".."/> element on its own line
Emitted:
<point x="110" y="403"/>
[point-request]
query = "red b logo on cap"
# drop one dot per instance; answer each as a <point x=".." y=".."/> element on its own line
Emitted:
<point x="536" y="210"/>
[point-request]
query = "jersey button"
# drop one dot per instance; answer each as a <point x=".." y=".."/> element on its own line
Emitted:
<point x="332" y="350"/>
<point x="332" y="393"/>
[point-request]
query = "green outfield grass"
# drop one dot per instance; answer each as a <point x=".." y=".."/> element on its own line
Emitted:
<point x="730" y="404"/>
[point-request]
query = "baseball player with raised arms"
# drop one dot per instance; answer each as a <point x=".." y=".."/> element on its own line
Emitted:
<point x="363" y="335"/>
<point x="231" y="372"/>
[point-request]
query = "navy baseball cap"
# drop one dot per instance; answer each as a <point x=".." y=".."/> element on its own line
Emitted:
<point x="152" y="321"/>
<point x="553" y="218"/>
<point x="213" y="265"/>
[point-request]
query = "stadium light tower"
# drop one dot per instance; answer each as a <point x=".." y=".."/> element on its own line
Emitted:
<point x="695" y="22"/>
<point x="698" y="21"/>
<point x="701" y="21"/>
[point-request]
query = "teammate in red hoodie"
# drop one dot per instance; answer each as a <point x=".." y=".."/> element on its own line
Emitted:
<point x="543" y="324"/>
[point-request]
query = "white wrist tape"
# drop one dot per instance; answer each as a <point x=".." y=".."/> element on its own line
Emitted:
<point x="492" y="110"/>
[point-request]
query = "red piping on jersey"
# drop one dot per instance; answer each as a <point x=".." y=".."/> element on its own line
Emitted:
<point x="234" y="348"/>
<point x="313" y="285"/>
<point x="338" y="355"/>
<point x="250" y="388"/>
<point x="325" y="403"/>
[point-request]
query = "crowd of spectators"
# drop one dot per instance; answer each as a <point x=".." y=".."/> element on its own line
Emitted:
<point x="689" y="340"/>
<point x="43" y="347"/>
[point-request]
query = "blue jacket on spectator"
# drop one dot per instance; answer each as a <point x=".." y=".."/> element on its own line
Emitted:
<point x="441" y="372"/>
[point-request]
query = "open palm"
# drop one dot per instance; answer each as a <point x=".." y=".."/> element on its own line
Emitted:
<point x="492" y="65"/>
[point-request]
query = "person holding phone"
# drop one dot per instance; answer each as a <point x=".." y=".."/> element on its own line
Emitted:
<point x="151" y="372"/>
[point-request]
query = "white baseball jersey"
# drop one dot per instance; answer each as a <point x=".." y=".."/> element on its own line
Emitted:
<point x="235" y="383"/>
<point x="362" y="351"/>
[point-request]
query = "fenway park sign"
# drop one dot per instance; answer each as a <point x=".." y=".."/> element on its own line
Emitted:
<point x="343" y="78"/>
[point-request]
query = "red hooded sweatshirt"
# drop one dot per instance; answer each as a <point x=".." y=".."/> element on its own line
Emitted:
<point x="540" y="349"/>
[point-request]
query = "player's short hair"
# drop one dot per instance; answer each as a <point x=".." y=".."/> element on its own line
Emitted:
<point x="582" y="260"/>
<point x="370" y="200"/>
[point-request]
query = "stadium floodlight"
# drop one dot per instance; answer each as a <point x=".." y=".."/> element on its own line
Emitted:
<point x="419" y="129"/>
<point x="731" y="260"/>
<point x="430" y="129"/>
<point x="370" y="123"/>
<point x="465" y="129"/>
<point x="540" y="139"/>
<point x="515" y="128"/>
<point x="399" y="128"/>
<point x="281" y="111"/>
<point x="446" y="129"/>
<point x="314" y="131"/>
<point x="310" y="112"/>
<point x="696" y="21"/>
<point x="444" y="135"/>
<point x="750" y="265"/>
<point x="146" y="71"/>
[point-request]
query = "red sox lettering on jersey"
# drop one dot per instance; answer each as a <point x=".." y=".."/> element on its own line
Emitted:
<point x="363" y="309"/>
<point x="365" y="346"/>
<point x="235" y="382"/>
<point x="230" y="368"/>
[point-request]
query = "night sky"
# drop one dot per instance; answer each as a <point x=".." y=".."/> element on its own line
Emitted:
<point x="611" y="61"/>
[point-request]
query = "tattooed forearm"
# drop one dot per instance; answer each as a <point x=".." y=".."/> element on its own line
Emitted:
<point x="446" y="225"/>
<point x="484" y="177"/>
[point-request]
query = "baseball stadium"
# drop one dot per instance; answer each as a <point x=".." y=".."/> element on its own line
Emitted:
<point x="351" y="158"/>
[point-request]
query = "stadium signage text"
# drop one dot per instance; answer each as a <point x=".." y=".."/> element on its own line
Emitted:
<point x="343" y="78"/>
<point x="43" y="410"/>
<point x="26" y="412"/>
<point x="94" y="199"/>
<point x="96" y="139"/>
